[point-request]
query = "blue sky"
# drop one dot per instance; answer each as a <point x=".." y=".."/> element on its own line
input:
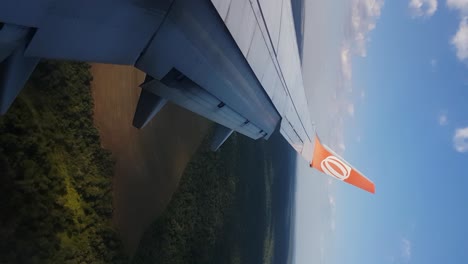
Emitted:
<point x="396" y="87"/>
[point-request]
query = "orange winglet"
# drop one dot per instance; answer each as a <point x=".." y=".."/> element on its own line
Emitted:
<point x="328" y="162"/>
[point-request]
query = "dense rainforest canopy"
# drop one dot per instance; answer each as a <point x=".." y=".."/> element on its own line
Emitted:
<point x="55" y="191"/>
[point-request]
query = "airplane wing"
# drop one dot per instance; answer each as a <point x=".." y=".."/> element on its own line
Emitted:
<point x="235" y="62"/>
<point x="274" y="57"/>
<point x="265" y="32"/>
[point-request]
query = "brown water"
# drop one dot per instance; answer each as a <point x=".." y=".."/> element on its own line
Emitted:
<point x="149" y="162"/>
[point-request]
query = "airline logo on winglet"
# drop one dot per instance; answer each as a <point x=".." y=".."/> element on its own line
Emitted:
<point x="328" y="162"/>
<point x="333" y="166"/>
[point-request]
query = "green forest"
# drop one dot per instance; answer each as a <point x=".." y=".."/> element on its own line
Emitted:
<point x="188" y="230"/>
<point x="221" y="212"/>
<point x="56" y="190"/>
<point x="56" y="180"/>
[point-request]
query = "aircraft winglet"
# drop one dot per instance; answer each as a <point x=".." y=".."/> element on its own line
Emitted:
<point x="328" y="162"/>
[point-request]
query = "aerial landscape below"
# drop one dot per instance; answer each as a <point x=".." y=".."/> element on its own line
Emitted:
<point x="60" y="197"/>
<point x="233" y="131"/>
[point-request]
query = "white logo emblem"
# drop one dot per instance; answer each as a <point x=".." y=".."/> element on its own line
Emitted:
<point x="333" y="166"/>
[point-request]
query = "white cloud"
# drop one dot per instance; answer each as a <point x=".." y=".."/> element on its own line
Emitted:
<point x="405" y="249"/>
<point x="352" y="34"/>
<point x="342" y="147"/>
<point x="421" y="8"/>
<point x="359" y="21"/>
<point x="363" y="17"/>
<point x="336" y="141"/>
<point x="350" y="109"/>
<point x="346" y="63"/>
<point x="442" y="119"/>
<point x="460" y="40"/>
<point x="461" y="5"/>
<point x="460" y="140"/>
